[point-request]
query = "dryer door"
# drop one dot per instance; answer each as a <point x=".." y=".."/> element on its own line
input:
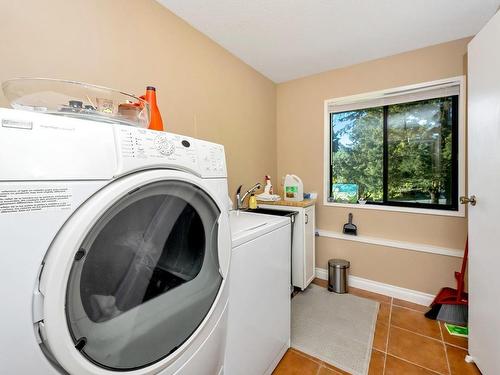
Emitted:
<point x="142" y="279"/>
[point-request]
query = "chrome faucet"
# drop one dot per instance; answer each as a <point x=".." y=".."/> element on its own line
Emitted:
<point x="240" y="199"/>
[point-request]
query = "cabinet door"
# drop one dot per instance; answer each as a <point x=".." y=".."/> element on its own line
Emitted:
<point x="309" y="245"/>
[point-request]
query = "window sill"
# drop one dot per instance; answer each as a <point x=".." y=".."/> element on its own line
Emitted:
<point x="410" y="210"/>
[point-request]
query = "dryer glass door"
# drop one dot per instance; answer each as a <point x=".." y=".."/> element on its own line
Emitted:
<point x="145" y="277"/>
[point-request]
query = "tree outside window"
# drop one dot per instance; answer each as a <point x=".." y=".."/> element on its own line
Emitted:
<point x="400" y="154"/>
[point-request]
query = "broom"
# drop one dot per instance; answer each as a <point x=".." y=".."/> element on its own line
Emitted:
<point x="451" y="305"/>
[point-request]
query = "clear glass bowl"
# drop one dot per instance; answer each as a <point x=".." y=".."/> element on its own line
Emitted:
<point x="76" y="99"/>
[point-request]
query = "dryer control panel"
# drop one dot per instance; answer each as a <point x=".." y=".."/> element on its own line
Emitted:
<point x="142" y="148"/>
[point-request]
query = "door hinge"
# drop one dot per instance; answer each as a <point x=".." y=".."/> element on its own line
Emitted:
<point x="37" y="303"/>
<point x="471" y="200"/>
<point x="37" y="306"/>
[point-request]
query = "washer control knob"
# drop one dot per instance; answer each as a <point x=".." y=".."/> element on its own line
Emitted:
<point x="164" y="146"/>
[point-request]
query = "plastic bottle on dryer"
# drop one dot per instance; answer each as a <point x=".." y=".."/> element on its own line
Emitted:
<point x="155" y="122"/>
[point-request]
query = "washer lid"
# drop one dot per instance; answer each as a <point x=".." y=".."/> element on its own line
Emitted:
<point x="137" y="281"/>
<point x="246" y="226"/>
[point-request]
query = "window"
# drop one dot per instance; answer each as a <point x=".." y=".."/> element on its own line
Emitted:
<point x="397" y="149"/>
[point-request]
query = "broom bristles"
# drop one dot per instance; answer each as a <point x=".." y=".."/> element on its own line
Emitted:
<point x="454" y="314"/>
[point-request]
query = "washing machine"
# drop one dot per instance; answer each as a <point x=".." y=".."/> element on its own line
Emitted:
<point x="114" y="249"/>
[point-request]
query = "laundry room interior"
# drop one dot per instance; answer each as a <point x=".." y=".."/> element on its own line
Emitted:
<point x="229" y="187"/>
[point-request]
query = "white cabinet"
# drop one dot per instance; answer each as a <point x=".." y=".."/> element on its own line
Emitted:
<point x="303" y="244"/>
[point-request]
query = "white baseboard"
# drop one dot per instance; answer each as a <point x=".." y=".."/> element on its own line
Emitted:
<point x="382" y="288"/>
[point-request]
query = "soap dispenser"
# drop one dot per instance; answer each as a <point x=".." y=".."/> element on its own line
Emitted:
<point x="252" y="202"/>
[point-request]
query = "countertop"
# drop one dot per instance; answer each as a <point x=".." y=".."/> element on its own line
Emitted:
<point x="281" y="202"/>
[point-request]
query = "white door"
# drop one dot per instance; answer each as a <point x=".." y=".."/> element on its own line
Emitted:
<point x="309" y="247"/>
<point x="484" y="183"/>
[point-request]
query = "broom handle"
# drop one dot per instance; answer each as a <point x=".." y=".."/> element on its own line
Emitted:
<point x="460" y="280"/>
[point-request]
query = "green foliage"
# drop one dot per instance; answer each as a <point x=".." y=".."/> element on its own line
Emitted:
<point x="419" y="151"/>
<point x="359" y="161"/>
<point x="420" y="154"/>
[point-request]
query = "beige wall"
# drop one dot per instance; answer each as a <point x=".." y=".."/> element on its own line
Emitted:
<point x="206" y="92"/>
<point x="203" y="90"/>
<point x="300" y="151"/>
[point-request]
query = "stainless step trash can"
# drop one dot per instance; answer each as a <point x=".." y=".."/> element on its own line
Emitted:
<point x="337" y="275"/>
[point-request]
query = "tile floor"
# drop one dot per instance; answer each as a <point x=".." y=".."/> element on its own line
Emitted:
<point x="405" y="343"/>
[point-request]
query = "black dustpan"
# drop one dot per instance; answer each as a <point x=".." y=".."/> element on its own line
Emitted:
<point x="350" y="228"/>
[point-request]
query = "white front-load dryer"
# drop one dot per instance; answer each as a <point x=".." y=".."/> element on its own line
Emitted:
<point x="115" y="249"/>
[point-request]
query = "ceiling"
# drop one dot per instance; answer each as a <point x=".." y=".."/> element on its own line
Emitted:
<point x="287" y="39"/>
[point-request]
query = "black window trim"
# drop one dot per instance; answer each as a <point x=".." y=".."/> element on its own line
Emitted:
<point x="453" y="207"/>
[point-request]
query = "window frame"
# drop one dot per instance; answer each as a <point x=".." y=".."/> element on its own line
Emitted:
<point x="400" y="206"/>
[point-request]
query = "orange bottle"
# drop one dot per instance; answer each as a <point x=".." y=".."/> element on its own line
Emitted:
<point x="155" y="122"/>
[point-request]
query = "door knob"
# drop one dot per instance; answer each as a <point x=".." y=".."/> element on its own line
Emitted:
<point x="471" y="200"/>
